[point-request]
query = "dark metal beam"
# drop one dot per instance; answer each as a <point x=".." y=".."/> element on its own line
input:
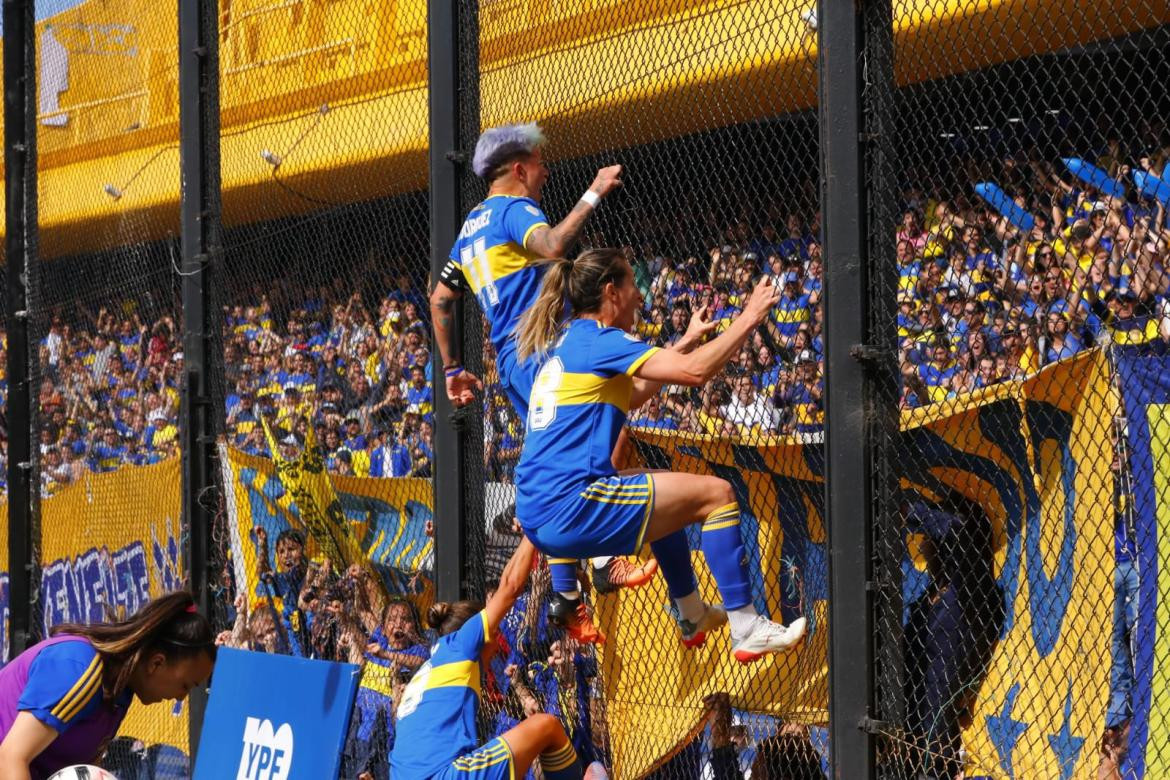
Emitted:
<point x="450" y="507"/>
<point x="201" y="240"/>
<point x="20" y="186"/>
<point x="847" y="475"/>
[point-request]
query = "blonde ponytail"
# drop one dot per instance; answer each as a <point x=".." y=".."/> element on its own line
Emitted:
<point x="539" y="325"/>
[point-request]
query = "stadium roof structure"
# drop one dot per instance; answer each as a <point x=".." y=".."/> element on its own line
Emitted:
<point x="344" y="85"/>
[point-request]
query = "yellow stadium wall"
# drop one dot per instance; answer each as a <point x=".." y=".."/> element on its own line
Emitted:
<point x="366" y="59"/>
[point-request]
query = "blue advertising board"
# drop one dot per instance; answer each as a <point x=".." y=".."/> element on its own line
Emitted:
<point x="275" y="717"/>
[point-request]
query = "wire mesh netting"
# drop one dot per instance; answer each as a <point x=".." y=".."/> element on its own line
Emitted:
<point x="323" y="372"/>
<point x="1018" y="236"/>
<point x="104" y="334"/>
<point x="708" y="111"/>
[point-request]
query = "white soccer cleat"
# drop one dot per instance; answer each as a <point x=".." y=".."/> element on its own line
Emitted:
<point x="767" y="637"/>
<point x="595" y="771"/>
<point x="695" y="634"/>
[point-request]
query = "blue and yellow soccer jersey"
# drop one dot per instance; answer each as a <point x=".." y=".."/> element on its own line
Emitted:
<point x="790" y="313"/>
<point x="64" y="684"/>
<point x="490" y="255"/>
<point x="436" y="716"/>
<point x="578" y="406"/>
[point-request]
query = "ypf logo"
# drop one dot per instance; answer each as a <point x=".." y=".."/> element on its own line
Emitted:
<point x="267" y="755"/>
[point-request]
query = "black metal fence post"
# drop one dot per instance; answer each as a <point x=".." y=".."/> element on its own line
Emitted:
<point x="200" y="239"/>
<point x="847" y="477"/>
<point x="450" y="507"/>
<point x="20" y="185"/>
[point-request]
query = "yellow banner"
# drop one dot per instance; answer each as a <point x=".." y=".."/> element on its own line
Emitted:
<point x="1032" y="455"/>
<point x="106" y="551"/>
<point x="379" y="521"/>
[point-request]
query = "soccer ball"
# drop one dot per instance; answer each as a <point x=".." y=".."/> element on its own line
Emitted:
<point x="82" y="772"/>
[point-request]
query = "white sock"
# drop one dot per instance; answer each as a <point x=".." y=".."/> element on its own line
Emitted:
<point x="600" y="563"/>
<point x="571" y="595"/>
<point x="741" y="621"/>
<point x="691" y="607"/>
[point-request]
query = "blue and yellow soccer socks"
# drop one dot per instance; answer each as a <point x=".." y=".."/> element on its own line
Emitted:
<point x="674" y="561"/>
<point x="726" y="557"/>
<point x="561" y="763"/>
<point x="563" y="572"/>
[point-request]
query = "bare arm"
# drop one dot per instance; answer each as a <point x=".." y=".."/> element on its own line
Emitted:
<point x="702" y="364"/>
<point x="26" y="740"/>
<point x="697" y="330"/>
<point x="443" y="300"/>
<point x="512" y="583"/>
<point x="553" y="242"/>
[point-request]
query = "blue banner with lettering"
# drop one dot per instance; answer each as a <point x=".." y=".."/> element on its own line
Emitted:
<point x="275" y="717"/>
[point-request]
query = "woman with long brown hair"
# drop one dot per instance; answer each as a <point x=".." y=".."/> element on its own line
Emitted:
<point x="436" y="727"/>
<point x="571" y="500"/>
<point x="62" y="700"/>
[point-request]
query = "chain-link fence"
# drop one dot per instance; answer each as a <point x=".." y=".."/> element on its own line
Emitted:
<point x="1019" y="244"/>
<point x="104" y="333"/>
<point x="1017" y="192"/>
<point x="708" y="111"/>
<point x="326" y="409"/>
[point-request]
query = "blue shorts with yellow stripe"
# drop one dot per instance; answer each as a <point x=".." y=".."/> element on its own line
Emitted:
<point x="516" y="376"/>
<point x="607" y="517"/>
<point x="493" y="761"/>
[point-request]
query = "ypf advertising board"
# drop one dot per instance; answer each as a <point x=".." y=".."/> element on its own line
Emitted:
<point x="275" y="717"/>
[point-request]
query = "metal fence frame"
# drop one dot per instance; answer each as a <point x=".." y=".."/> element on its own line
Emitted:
<point x="453" y="115"/>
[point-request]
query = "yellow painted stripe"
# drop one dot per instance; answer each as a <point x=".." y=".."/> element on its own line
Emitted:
<point x="1158" y="765"/>
<point x="638" y="363"/>
<point x="82" y="683"/>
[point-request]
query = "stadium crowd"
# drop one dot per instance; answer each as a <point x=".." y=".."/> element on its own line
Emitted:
<point x="979" y="301"/>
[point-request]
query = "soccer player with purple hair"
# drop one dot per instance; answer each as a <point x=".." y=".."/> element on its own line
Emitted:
<point x="501" y="254"/>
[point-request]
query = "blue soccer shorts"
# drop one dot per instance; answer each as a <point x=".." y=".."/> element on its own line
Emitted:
<point x="492" y="761"/>
<point x="608" y="517"/>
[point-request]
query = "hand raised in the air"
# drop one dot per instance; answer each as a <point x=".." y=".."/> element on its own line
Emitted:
<point x="607" y="180"/>
<point x="700" y="326"/>
<point x="764" y="297"/>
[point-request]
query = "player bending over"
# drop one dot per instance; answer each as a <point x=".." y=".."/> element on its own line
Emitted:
<point x="62" y="700"/>
<point x="570" y="499"/>
<point x="501" y="253"/>
<point x="436" y="735"/>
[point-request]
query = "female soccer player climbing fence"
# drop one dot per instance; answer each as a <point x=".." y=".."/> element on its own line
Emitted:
<point x="570" y="499"/>
<point x="437" y="713"/>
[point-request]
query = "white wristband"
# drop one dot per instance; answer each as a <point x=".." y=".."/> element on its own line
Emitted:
<point x="591" y="197"/>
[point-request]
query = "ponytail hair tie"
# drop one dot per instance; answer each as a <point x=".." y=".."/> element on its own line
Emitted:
<point x="192" y="609"/>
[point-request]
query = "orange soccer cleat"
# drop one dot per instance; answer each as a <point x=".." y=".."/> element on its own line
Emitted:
<point x="573" y="616"/>
<point x="620" y="573"/>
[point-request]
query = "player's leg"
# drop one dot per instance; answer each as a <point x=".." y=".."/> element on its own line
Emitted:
<point x="542" y="738"/>
<point x="683" y="499"/>
<point x="565" y="608"/>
